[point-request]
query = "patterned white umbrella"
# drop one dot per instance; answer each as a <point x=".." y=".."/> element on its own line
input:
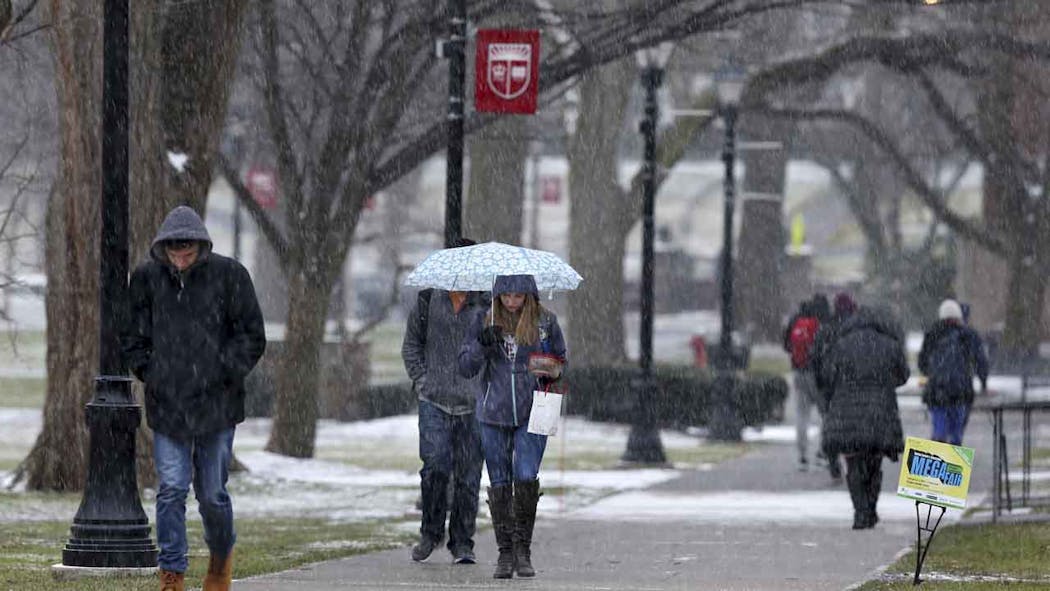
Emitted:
<point x="474" y="268"/>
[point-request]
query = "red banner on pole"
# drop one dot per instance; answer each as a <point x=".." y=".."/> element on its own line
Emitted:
<point x="261" y="182"/>
<point x="506" y="71"/>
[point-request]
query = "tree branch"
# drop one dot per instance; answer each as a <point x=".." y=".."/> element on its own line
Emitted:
<point x="291" y="179"/>
<point x="929" y="196"/>
<point x="269" y="229"/>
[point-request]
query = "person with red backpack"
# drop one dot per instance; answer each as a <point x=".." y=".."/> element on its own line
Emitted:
<point x="799" y="338"/>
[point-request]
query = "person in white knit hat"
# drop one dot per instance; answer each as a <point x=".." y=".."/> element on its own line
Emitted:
<point x="952" y="354"/>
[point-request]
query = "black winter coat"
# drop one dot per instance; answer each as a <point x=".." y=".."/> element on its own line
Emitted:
<point x="862" y="369"/>
<point x="193" y="337"/>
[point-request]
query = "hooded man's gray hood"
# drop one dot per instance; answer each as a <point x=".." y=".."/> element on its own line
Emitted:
<point x="181" y="224"/>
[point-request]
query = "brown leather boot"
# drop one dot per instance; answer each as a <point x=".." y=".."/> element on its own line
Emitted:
<point x="171" y="581"/>
<point x="220" y="573"/>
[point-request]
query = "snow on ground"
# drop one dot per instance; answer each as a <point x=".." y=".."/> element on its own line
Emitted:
<point x="369" y="470"/>
<point x="742" y="507"/>
<point x="337" y="488"/>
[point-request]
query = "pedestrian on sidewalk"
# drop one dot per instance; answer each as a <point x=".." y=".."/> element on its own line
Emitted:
<point x="862" y="370"/>
<point x="845" y="307"/>
<point x="449" y="437"/>
<point x="952" y="353"/>
<point x="799" y="338"/>
<point x="195" y="332"/>
<point x="499" y="346"/>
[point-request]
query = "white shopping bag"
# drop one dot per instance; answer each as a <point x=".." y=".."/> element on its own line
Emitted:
<point x="546" y="410"/>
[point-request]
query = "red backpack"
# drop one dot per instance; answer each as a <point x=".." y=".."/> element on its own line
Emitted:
<point x="803" y="334"/>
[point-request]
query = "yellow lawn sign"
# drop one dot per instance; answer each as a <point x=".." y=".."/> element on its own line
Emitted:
<point x="935" y="473"/>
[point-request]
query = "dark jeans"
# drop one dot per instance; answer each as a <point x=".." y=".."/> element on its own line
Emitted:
<point x="450" y="447"/>
<point x="948" y="423"/>
<point x="205" y="460"/>
<point x="512" y="454"/>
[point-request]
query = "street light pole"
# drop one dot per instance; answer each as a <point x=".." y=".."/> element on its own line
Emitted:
<point x="725" y="423"/>
<point x="643" y="442"/>
<point x="110" y="529"/>
<point x="455" y="51"/>
<point x="725" y="341"/>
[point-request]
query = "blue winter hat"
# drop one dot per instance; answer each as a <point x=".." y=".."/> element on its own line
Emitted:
<point x="515" y="284"/>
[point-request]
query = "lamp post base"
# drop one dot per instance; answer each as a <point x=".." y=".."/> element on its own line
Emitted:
<point x="643" y="442"/>
<point x="110" y="530"/>
<point x="725" y="423"/>
<point x="644" y="447"/>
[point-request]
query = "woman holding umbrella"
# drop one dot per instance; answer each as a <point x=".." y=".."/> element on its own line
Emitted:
<point x="499" y="345"/>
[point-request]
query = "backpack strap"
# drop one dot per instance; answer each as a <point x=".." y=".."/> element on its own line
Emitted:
<point x="423" y="309"/>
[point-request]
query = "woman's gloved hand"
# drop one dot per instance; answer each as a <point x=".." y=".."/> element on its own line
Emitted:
<point x="491" y="335"/>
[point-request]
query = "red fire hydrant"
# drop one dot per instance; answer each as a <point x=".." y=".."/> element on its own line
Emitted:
<point x="699" y="346"/>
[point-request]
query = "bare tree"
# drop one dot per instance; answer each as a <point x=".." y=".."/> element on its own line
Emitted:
<point x="347" y="111"/>
<point x="1000" y="63"/>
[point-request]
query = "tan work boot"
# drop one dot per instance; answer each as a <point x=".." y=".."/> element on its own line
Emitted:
<point x="171" y="581"/>
<point x="220" y="573"/>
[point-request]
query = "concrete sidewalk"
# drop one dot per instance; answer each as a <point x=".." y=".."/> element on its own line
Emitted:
<point x="757" y="523"/>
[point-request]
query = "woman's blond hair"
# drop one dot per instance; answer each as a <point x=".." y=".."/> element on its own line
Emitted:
<point x="524" y="325"/>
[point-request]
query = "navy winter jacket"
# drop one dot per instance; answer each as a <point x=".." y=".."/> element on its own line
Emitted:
<point x="950" y="357"/>
<point x="506" y="384"/>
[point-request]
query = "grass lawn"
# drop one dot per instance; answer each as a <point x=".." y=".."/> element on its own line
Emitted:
<point x="23" y="348"/>
<point x="1007" y="556"/>
<point x="773" y="365"/>
<point x="22" y="392"/>
<point x="27" y="550"/>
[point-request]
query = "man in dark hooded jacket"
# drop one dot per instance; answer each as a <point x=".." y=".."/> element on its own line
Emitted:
<point x="862" y="369"/>
<point x="195" y="332"/>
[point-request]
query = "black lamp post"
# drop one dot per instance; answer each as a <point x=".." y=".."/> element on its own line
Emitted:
<point x="454" y="49"/>
<point x="110" y="528"/>
<point x="643" y="442"/>
<point x="726" y="422"/>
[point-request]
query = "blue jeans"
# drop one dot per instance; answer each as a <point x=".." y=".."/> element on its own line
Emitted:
<point x="511" y="452"/>
<point x="205" y="461"/>
<point x="450" y="447"/>
<point x="948" y="423"/>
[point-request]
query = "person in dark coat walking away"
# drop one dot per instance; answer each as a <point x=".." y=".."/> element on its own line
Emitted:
<point x="498" y="346"/>
<point x="845" y="306"/>
<point x="952" y="353"/>
<point x="195" y="332"/>
<point x="862" y="369"/>
<point x="449" y="437"/>
<point x="799" y="338"/>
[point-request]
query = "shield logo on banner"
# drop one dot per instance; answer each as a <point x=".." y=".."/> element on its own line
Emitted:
<point x="509" y="69"/>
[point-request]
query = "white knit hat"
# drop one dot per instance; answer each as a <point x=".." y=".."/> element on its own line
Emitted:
<point x="950" y="309"/>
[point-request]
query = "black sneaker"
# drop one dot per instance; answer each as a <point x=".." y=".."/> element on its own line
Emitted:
<point x="803" y="464"/>
<point x="463" y="555"/>
<point x="424" y="549"/>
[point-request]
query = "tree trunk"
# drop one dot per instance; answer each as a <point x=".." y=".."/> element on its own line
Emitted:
<point x="762" y="238"/>
<point x="493" y="208"/>
<point x="295" y="403"/>
<point x="73" y="218"/>
<point x="199" y="47"/>
<point x="58" y="459"/>
<point x="1024" y="305"/>
<point x="179" y="98"/>
<point x="600" y="217"/>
